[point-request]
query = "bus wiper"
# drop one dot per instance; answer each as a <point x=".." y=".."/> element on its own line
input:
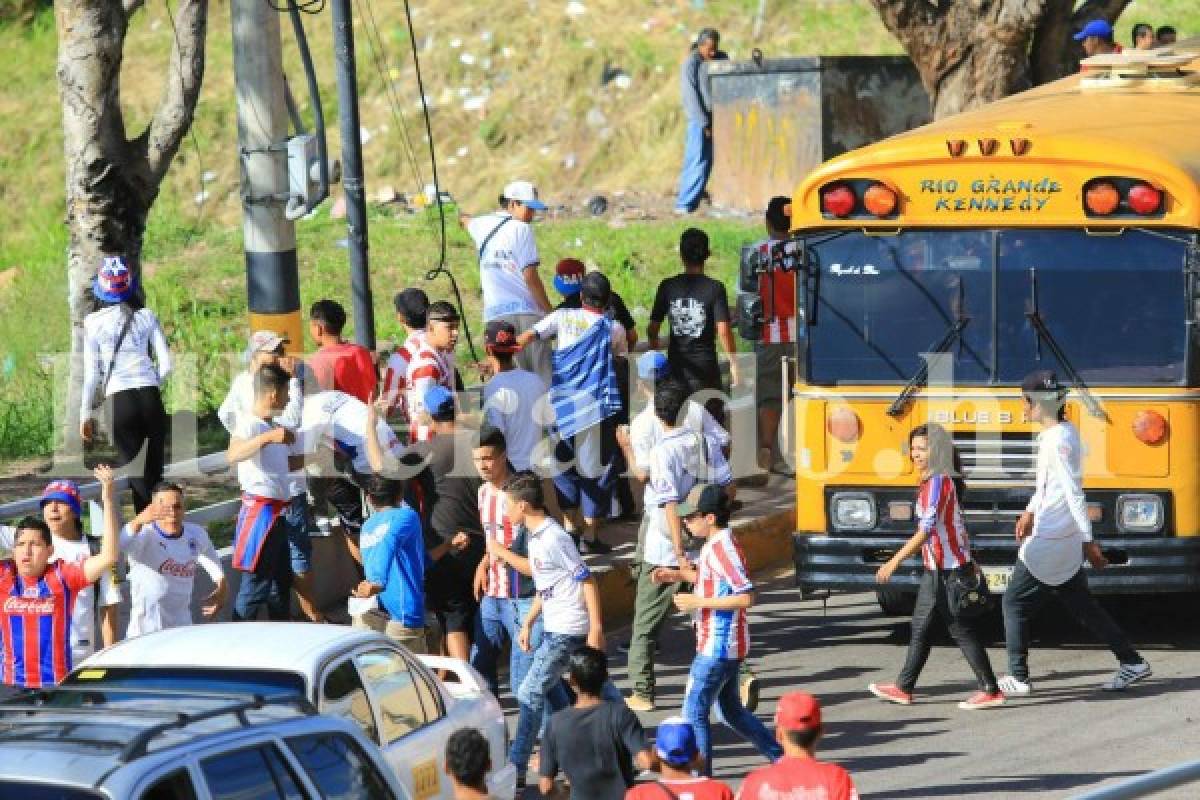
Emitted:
<point x="954" y="334"/>
<point x="943" y="345"/>
<point x="1034" y="315"/>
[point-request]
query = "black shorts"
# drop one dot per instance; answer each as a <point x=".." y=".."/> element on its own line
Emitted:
<point x="450" y="596"/>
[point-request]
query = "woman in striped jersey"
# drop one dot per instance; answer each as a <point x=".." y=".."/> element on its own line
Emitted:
<point x="945" y="549"/>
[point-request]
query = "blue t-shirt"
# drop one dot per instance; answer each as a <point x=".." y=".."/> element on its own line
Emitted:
<point x="394" y="557"/>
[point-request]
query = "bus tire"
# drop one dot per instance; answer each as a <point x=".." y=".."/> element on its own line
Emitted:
<point x="895" y="603"/>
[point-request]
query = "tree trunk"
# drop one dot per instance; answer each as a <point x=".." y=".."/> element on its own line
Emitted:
<point x="112" y="180"/>
<point x="1055" y="53"/>
<point x="968" y="52"/>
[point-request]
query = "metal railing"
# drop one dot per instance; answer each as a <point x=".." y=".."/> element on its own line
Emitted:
<point x="1148" y="784"/>
<point x="210" y="466"/>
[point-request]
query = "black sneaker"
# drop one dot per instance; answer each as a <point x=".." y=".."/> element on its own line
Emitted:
<point x="594" y="547"/>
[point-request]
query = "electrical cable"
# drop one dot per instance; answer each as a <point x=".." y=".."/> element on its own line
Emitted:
<point x="440" y="269"/>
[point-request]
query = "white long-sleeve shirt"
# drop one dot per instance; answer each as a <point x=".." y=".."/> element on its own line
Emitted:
<point x="133" y="368"/>
<point x="1053" y="553"/>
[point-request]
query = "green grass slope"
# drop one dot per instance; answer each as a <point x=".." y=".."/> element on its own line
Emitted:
<point x="515" y="88"/>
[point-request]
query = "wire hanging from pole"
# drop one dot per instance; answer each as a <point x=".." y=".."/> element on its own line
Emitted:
<point x="440" y="269"/>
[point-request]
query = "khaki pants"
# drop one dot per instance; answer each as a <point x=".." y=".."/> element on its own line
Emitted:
<point x="415" y="639"/>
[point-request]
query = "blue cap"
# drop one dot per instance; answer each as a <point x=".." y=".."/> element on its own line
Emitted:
<point x="675" y="741"/>
<point x="439" y="402"/>
<point x="1096" y="27"/>
<point x="652" y="365"/>
<point x="64" y="492"/>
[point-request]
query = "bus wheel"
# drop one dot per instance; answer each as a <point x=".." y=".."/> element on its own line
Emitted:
<point x="896" y="603"/>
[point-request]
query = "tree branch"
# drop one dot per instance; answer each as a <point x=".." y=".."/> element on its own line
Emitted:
<point x="185" y="73"/>
<point x="1098" y="9"/>
<point x="131" y="6"/>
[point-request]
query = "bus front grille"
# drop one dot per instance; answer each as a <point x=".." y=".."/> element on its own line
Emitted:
<point x="997" y="459"/>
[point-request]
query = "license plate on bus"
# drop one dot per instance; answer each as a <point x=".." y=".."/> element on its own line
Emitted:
<point x="997" y="578"/>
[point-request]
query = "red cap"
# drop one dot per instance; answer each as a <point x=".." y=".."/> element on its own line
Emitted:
<point x="798" y="711"/>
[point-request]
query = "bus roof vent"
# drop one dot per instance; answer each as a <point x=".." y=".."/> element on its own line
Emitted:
<point x="1144" y="69"/>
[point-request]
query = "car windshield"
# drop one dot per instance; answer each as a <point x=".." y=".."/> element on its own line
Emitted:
<point x="1116" y="304"/>
<point x="242" y="681"/>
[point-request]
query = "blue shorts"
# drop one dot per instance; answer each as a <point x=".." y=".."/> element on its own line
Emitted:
<point x="297" y="517"/>
<point x="592" y="495"/>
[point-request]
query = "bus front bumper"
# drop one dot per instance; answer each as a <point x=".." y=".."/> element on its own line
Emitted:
<point x="1139" y="564"/>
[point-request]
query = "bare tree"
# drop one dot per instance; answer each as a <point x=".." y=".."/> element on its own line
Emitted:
<point x="113" y="177"/>
<point x="970" y="52"/>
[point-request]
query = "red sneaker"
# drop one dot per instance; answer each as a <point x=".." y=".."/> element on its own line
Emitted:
<point x="891" y="692"/>
<point x="982" y="700"/>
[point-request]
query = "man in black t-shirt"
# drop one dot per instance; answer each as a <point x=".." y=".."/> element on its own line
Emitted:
<point x="596" y="743"/>
<point x="697" y="308"/>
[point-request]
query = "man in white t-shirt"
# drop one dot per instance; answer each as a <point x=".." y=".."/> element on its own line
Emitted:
<point x="508" y="268"/>
<point x="267" y="347"/>
<point x="265" y="454"/>
<point x="567" y="601"/>
<point x="164" y="552"/>
<point x="1055" y="533"/>
<point x="514" y="400"/>
<point x="62" y="510"/>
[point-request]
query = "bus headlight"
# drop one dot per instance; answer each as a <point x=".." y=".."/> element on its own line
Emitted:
<point x="853" y="511"/>
<point x="1139" y="513"/>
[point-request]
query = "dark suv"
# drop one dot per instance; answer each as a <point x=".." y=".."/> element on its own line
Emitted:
<point x="69" y="744"/>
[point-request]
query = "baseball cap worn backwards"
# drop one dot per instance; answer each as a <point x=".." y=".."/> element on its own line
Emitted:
<point x="675" y="741"/>
<point x="500" y="336"/>
<point x="798" y="711"/>
<point x="1043" y="381"/>
<point x="524" y="193"/>
<point x="568" y="276"/>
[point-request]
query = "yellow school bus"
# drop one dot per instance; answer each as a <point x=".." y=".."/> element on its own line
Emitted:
<point x="1056" y="229"/>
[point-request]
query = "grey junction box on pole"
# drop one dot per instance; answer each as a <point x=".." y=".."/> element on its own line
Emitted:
<point x="775" y="120"/>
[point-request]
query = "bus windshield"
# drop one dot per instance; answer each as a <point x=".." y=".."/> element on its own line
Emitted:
<point x="1116" y="304"/>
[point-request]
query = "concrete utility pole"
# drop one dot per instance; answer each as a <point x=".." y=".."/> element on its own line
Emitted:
<point x="272" y="277"/>
<point x="352" y="173"/>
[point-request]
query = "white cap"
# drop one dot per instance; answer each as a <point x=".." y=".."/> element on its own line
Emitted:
<point x="524" y="193"/>
<point x="264" y="342"/>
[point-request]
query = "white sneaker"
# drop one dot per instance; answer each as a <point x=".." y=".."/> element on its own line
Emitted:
<point x="1015" y="687"/>
<point x="1127" y="674"/>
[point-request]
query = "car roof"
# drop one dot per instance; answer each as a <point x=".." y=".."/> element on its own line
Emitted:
<point x="291" y="646"/>
<point x="84" y="747"/>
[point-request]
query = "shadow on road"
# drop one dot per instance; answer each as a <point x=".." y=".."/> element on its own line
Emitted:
<point x="1002" y="787"/>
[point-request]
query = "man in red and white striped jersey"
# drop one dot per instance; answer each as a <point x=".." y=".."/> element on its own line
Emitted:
<point x="432" y="365"/>
<point x="778" y="290"/>
<point x="505" y="593"/>
<point x="411" y="307"/>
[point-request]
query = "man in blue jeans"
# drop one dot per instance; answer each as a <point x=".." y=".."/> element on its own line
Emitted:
<point x="723" y="593"/>
<point x="505" y="590"/>
<point x="567" y="598"/>
<point x="697" y="106"/>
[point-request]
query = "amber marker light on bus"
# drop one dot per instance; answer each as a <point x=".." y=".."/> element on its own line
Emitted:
<point x="956" y="147"/>
<point x="1150" y="427"/>
<point x="988" y="146"/>
<point x="838" y="200"/>
<point x="1101" y="198"/>
<point x="1144" y="199"/>
<point x="844" y="426"/>
<point x="880" y="200"/>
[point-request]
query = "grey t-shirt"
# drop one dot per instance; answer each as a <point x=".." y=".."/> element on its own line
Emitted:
<point x="594" y="747"/>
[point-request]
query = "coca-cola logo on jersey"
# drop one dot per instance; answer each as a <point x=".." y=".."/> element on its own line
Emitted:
<point x="26" y="605"/>
<point x="175" y="569"/>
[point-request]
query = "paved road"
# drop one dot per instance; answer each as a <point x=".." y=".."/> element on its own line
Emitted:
<point x="1066" y="738"/>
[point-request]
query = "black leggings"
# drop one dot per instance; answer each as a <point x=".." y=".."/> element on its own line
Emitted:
<point x="140" y="421"/>
<point x="932" y="601"/>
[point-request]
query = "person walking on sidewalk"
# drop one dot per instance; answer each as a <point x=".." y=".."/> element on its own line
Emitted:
<point x="945" y="551"/>
<point x="697" y="107"/>
<point x="722" y="596"/>
<point x="1056" y="536"/>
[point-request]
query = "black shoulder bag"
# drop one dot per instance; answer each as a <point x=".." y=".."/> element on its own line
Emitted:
<point x="967" y="592"/>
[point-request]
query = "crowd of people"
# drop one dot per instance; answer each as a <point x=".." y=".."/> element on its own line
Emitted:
<point x="470" y="530"/>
